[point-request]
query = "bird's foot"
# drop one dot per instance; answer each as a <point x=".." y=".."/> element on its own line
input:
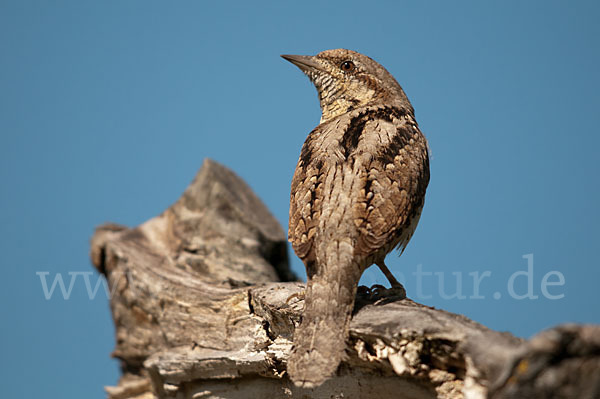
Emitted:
<point x="395" y="292"/>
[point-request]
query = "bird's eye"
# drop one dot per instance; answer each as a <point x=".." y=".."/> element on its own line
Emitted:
<point x="347" y="66"/>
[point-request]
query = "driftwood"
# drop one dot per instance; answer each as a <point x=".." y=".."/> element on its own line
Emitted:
<point x="205" y="306"/>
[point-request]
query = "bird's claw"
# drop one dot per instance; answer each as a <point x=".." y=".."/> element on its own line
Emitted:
<point x="379" y="292"/>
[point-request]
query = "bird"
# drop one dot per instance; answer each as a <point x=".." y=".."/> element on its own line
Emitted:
<point x="357" y="193"/>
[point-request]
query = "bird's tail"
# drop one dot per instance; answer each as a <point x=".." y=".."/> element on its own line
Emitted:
<point x="320" y="340"/>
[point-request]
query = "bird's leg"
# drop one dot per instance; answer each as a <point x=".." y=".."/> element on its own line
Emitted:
<point x="397" y="289"/>
<point x="388" y="274"/>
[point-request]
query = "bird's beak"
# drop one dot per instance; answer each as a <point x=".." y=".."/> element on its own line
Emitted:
<point x="305" y="62"/>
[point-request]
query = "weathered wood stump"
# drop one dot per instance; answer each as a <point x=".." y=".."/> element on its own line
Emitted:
<point x="205" y="306"/>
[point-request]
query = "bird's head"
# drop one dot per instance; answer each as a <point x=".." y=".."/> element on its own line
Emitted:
<point x="347" y="80"/>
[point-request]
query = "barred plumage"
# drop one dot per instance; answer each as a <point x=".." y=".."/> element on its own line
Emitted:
<point x="358" y="192"/>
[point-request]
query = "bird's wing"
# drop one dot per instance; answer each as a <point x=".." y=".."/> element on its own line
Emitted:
<point x="388" y="153"/>
<point x="305" y="205"/>
<point x="393" y="180"/>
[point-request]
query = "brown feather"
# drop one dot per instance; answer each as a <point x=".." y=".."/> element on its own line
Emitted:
<point x="358" y="192"/>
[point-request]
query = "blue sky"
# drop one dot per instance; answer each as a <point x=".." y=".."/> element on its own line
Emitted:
<point x="107" y="110"/>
